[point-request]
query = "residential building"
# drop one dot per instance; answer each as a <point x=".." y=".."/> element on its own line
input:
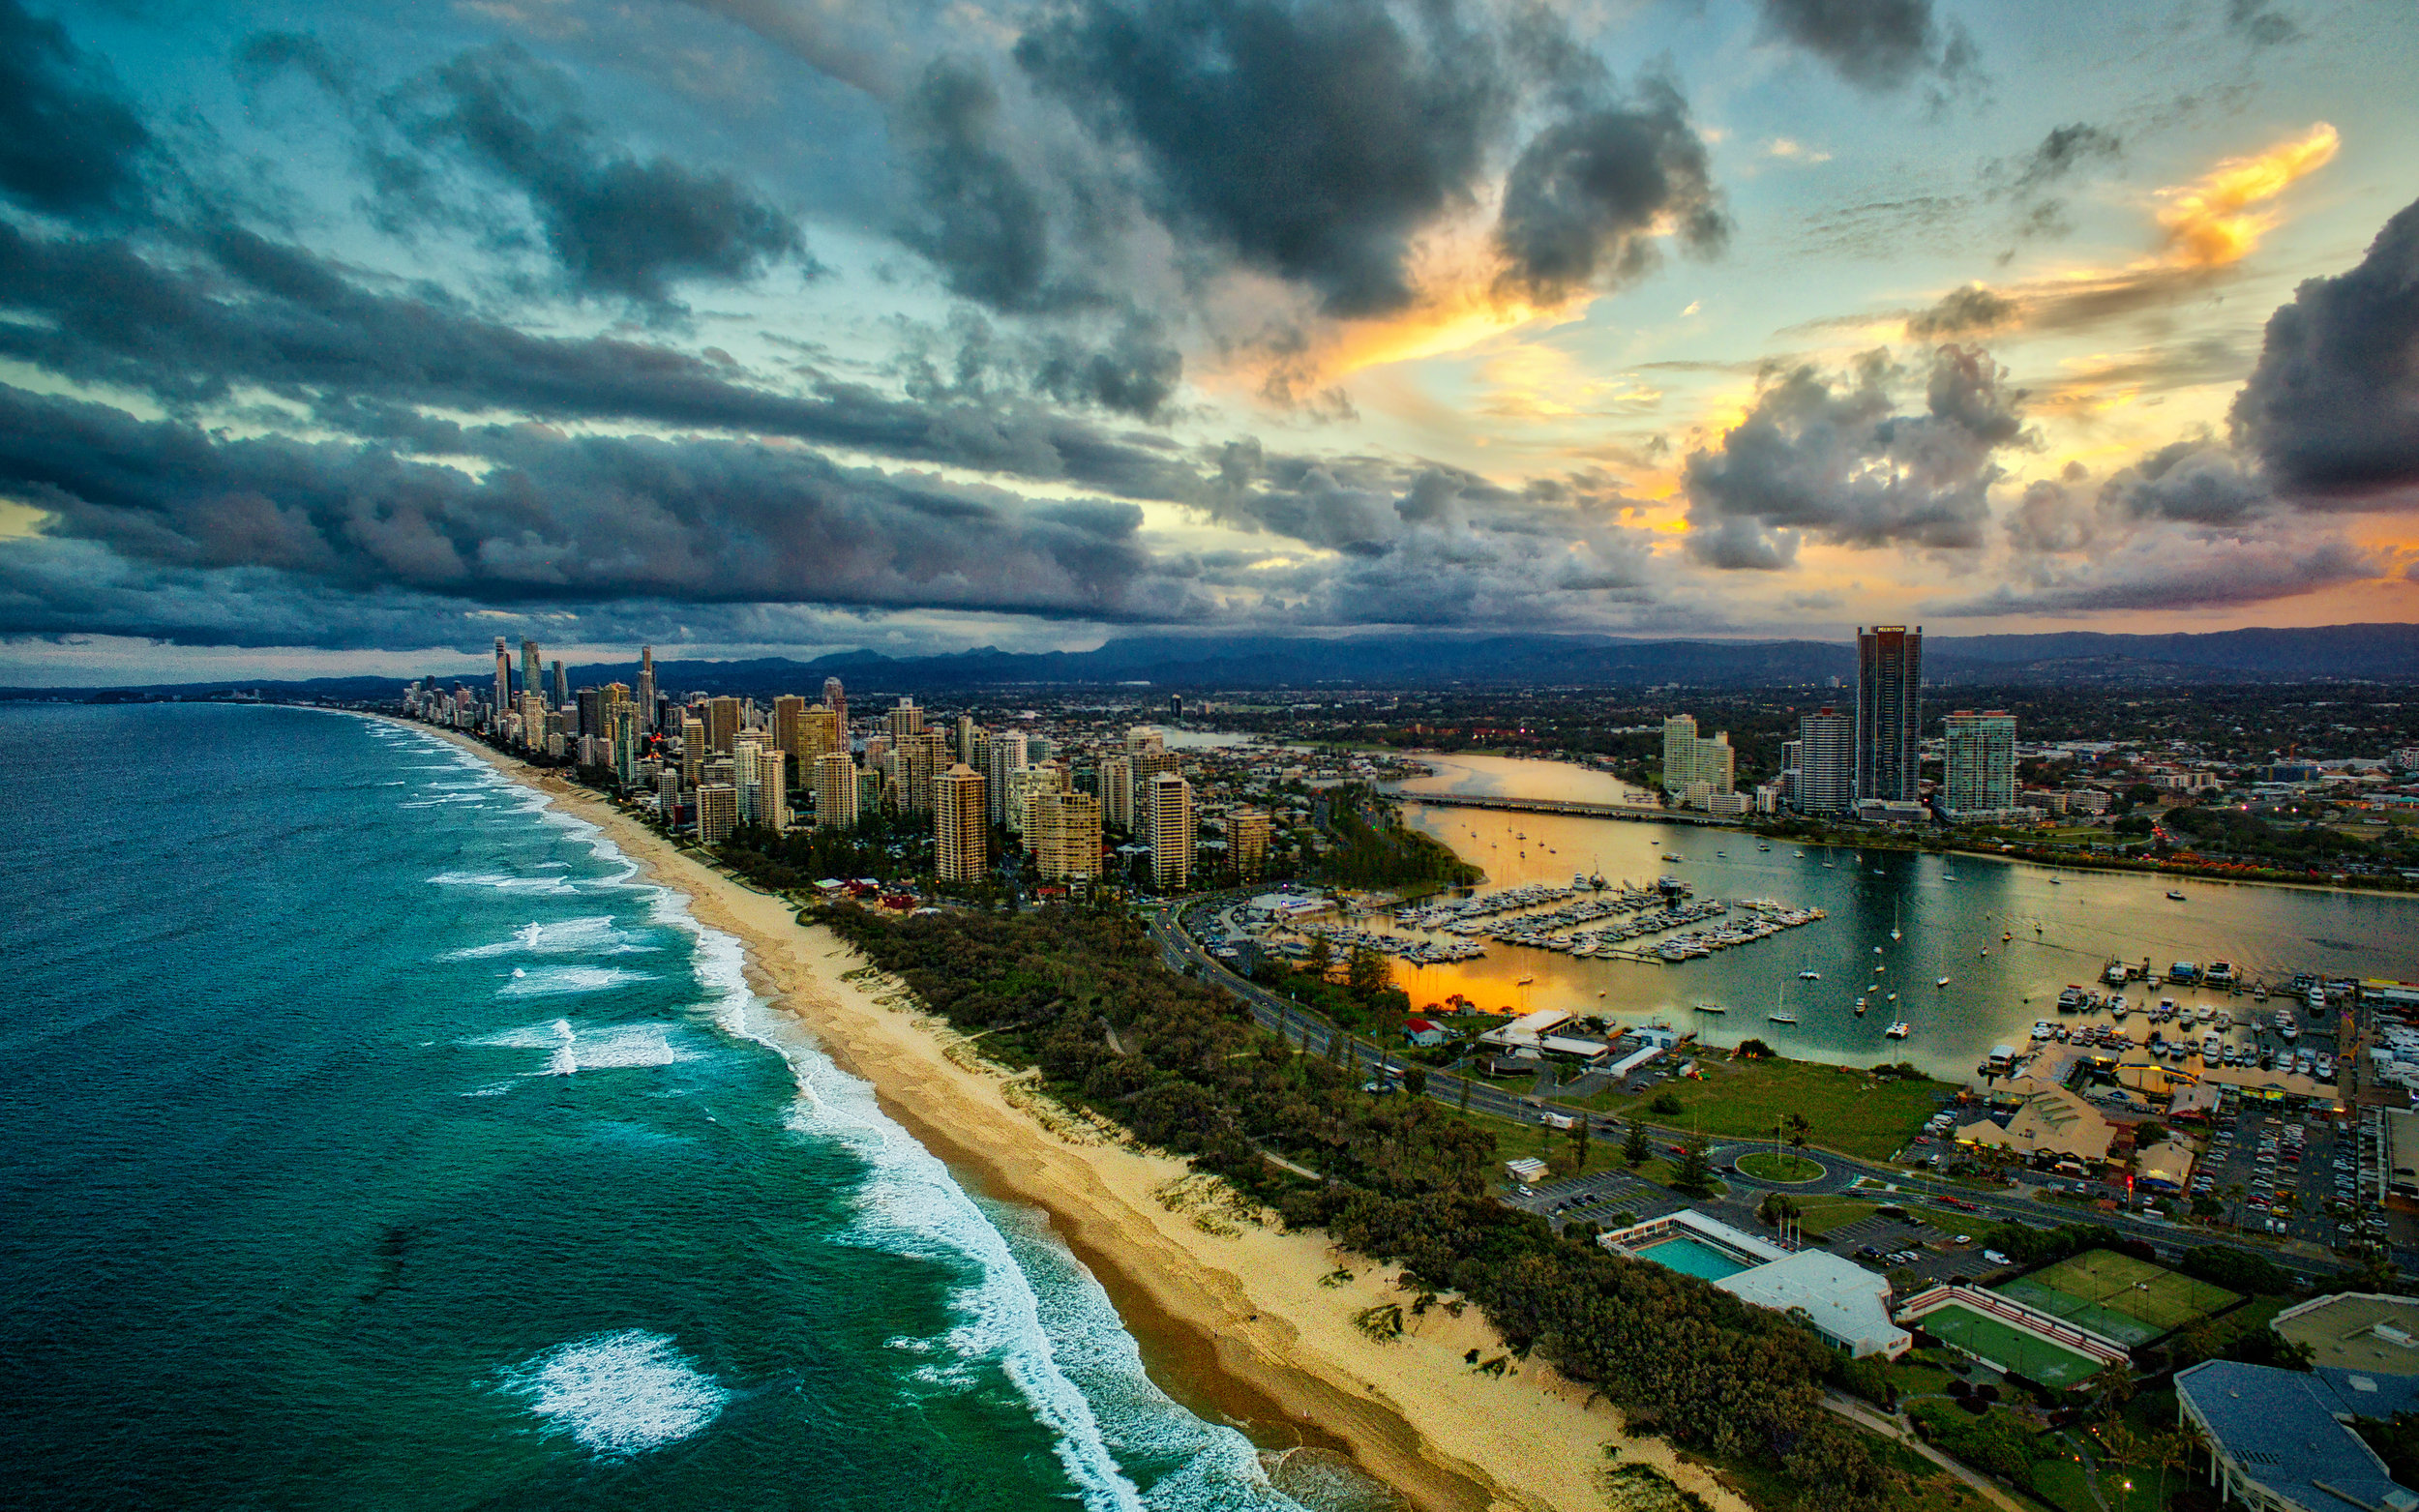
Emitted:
<point x="743" y="753"/>
<point x="1151" y="764"/>
<point x="1116" y="792"/>
<point x="970" y="743"/>
<point x="790" y="728"/>
<point x="824" y="735"/>
<point x="532" y="671"/>
<point x="1826" y="763"/>
<point x="1023" y="785"/>
<point x="1247" y="842"/>
<point x="722" y="723"/>
<point x="837" y="700"/>
<point x="1979" y="774"/>
<point x="1689" y="761"/>
<point x="1171" y="831"/>
<point x="1679" y="752"/>
<point x="717" y="812"/>
<point x="1006" y="756"/>
<point x="628" y="740"/>
<point x="960" y="825"/>
<point x="691" y="750"/>
<point x="1142" y="738"/>
<point x="503" y="678"/>
<point x="924" y="754"/>
<point x="646" y="688"/>
<point x="904" y="721"/>
<point x="667" y="793"/>
<point x="835" y="792"/>
<point x="563" y="686"/>
<point x="1888" y="712"/>
<point x="1063" y="831"/>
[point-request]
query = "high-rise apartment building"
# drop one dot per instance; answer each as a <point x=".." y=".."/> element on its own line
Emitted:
<point x="1116" y="792"/>
<point x="772" y="789"/>
<point x="1063" y="831"/>
<point x="1247" y="842"/>
<point x="789" y="727"/>
<point x="1005" y="756"/>
<point x="1888" y="712"/>
<point x="503" y="678"/>
<point x="1826" y="763"/>
<point x="627" y="743"/>
<point x="1679" y="751"/>
<point x="960" y="825"/>
<point x="717" y="812"/>
<point x="835" y="792"/>
<point x="532" y="681"/>
<point x="969" y="742"/>
<point x="647" y="687"/>
<point x="923" y="756"/>
<point x="562" y="685"/>
<point x="837" y="700"/>
<point x="1026" y="781"/>
<point x="1171" y="831"/>
<point x="691" y="750"/>
<point x="1691" y="762"/>
<point x="668" y="792"/>
<point x="1979" y="772"/>
<point x="1143" y="737"/>
<point x="743" y="753"/>
<point x="904" y="721"/>
<point x="1150" y="764"/>
<point x="824" y="734"/>
<point x="722" y="723"/>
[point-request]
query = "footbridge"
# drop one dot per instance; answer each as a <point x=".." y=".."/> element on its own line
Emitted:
<point x="1562" y="806"/>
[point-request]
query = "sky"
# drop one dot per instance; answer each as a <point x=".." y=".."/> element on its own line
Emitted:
<point x="338" y="338"/>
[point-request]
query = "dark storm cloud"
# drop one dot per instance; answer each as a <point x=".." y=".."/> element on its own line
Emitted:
<point x="1874" y="44"/>
<point x="2260" y="22"/>
<point x="1311" y="140"/>
<point x="1834" y="461"/>
<point x="2196" y="482"/>
<point x="554" y="517"/>
<point x="2181" y="575"/>
<point x="1966" y="311"/>
<point x="1586" y="195"/>
<point x="2333" y="408"/>
<point x="68" y="146"/>
<point x="976" y="219"/>
<point x="255" y="312"/>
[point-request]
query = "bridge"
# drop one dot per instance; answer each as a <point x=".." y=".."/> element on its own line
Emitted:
<point x="1570" y="807"/>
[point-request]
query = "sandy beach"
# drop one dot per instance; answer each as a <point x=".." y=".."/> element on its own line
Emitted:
<point x="1236" y="1319"/>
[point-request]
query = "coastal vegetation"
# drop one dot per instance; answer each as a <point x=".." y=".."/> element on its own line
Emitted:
<point x="1373" y="847"/>
<point x="1080" y="994"/>
<point x="1853" y="1111"/>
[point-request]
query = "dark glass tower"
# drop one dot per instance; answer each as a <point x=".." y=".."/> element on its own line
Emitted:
<point x="1889" y="711"/>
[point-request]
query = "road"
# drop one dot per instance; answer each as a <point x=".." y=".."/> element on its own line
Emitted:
<point x="1184" y="955"/>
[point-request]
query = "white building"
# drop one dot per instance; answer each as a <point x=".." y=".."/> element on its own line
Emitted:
<point x="1841" y="1300"/>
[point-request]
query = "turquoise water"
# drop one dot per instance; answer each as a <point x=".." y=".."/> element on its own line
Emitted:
<point x="375" y="1136"/>
<point x="1692" y="1258"/>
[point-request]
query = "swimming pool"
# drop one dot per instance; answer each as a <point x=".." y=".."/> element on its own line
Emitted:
<point x="1694" y="1257"/>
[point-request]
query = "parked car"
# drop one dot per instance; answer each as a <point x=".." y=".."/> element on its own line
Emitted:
<point x="1996" y="1259"/>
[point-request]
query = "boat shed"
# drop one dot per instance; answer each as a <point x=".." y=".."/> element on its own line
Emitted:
<point x="2275" y="1442"/>
<point x="1633" y="1061"/>
<point x="1527" y="1030"/>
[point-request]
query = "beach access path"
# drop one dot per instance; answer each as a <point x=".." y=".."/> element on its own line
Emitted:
<point x="1237" y="1320"/>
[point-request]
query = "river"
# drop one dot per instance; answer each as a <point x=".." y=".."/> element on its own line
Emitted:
<point x="2041" y="927"/>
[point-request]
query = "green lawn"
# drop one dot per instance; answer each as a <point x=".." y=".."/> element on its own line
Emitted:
<point x="2126" y="1299"/>
<point x="2027" y="1354"/>
<point x="1850" y="1111"/>
<point x="2062" y="1484"/>
<point x="1778" y="1166"/>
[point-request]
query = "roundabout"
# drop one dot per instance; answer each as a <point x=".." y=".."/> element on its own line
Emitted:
<point x="1781" y="1167"/>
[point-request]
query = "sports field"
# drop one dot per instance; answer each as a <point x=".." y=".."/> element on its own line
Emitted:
<point x="2117" y="1296"/>
<point x="2027" y="1354"/>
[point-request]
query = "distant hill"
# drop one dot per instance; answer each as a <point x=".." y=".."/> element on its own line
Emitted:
<point x="2373" y="653"/>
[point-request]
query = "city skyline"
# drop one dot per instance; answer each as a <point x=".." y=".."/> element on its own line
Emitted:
<point x="745" y="329"/>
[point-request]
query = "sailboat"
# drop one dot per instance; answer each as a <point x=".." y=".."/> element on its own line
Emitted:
<point x="1860" y="1007"/>
<point x="1781" y="1014"/>
<point x="1894" y="924"/>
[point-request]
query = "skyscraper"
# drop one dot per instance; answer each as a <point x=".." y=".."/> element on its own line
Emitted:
<point x="835" y="792"/>
<point x="744" y="775"/>
<point x="722" y="723"/>
<point x="1889" y="711"/>
<point x="503" y="678"/>
<point x="1063" y="831"/>
<point x="531" y="678"/>
<point x="626" y="742"/>
<point x="772" y="789"/>
<point x="961" y="828"/>
<point x="1150" y="764"/>
<point x="717" y="812"/>
<point x="692" y="752"/>
<point x="1023" y="785"/>
<point x="1247" y="842"/>
<point x="837" y="701"/>
<point x="970" y="747"/>
<point x="1007" y="754"/>
<point x="1142" y="738"/>
<point x="1826" y="781"/>
<point x="1979" y="775"/>
<point x="647" y="687"/>
<point x="824" y="735"/>
<point x="1171" y="831"/>
<point x="904" y="721"/>
<point x="789" y="727"/>
<point x="923" y="756"/>
<point x="1116" y="792"/>
<point x="1679" y="752"/>
<point x="563" y="686"/>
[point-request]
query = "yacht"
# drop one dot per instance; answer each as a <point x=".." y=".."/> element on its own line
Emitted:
<point x="1894" y="924"/>
<point x="1763" y="847"/>
<point x="1524" y="981"/>
<point x="2172" y="893"/>
<point x="1711" y="1008"/>
<point x="1809" y="976"/>
<point x="1860" y="1007"/>
<point x="1781" y="1016"/>
<point x="1943" y="982"/>
<point x="1898" y="1030"/>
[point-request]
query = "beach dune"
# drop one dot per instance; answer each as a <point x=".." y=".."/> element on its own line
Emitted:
<point x="1236" y="1318"/>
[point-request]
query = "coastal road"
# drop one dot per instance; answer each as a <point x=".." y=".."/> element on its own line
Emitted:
<point x="1184" y="955"/>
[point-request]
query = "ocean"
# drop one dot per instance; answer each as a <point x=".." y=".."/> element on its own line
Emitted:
<point x="375" y="1136"/>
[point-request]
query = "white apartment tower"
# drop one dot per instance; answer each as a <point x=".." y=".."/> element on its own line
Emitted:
<point x="1006" y="753"/>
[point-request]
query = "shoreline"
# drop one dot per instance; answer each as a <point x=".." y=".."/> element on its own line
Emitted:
<point x="1235" y="1319"/>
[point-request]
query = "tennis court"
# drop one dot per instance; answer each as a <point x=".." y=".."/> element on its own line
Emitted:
<point x="2117" y="1296"/>
<point x="2010" y="1348"/>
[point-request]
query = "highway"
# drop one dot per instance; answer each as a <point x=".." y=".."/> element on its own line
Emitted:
<point x="1184" y="955"/>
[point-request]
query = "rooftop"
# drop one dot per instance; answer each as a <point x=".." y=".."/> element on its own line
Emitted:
<point x="1840" y="1299"/>
<point x="2357" y="1330"/>
<point x="2277" y="1427"/>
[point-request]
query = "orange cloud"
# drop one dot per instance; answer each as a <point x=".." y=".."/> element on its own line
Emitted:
<point x="2210" y="221"/>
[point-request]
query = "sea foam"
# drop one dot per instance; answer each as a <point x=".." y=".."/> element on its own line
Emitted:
<point x="617" y="1394"/>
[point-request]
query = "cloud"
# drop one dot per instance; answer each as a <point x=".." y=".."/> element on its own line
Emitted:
<point x="2333" y="406"/>
<point x="2200" y="481"/>
<point x="2172" y="573"/>
<point x="1875" y="45"/>
<point x="2053" y="516"/>
<point x="2064" y="151"/>
<point x="2211" y="221"/>
<point x="68" y="146"/>
<point x="2260" y="22"/>
<point x="1966" y="311"/>
<point x="977" y="217"/>
<point x="1588" y="194"/>
<point x="1834" y="461"/>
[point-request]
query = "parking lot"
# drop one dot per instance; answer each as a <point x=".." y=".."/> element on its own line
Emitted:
<point x="1598" y="1197"/>
<point x="2290" y="1175"/>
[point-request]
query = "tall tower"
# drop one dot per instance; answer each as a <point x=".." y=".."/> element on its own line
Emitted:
<point x="1979" y="772"/>
<point x="1148" y="767"/>
<point x="961" y="826"/>
<point x="532" y="682"/>
<point x="1826" y="763"/>
<point x="1007" y="754"/>
<point x="1116" y="792"/>
<point x="722" y="723"/>
<point x="1889" y="711"/>
<point x="1063" y="831"/>
<point x="692" y="752"/>
<point x="1247" y="842"/>
<point x="835" y="792"/>
<point x="1679" y="752"/>
<point x="647" y="687"/>
<point x="562" y="685"/>
<point x="503" y="678"/>
<point x="837" y="700"/>
<point x="790" y="727"/>
<point x="969" y="741"/>
<point x="1171" y="831"/>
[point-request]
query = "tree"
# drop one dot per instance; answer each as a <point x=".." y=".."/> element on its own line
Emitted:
<point x="1364" y="972"/>
<point x="1696" y="1175"/>
<point x="1752" y="1050"/>
<point x="1798" y="1129"/>
<point x="1666" y="1105"/>
<point x="1321" y="958"/>
<point x="1634" y="1149"/>
<point x="1416" y="1080"/>
<point x="1775" y="1206"/>
<point x="2112" y="1389"/>
<point x="1581" y="1128"/>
